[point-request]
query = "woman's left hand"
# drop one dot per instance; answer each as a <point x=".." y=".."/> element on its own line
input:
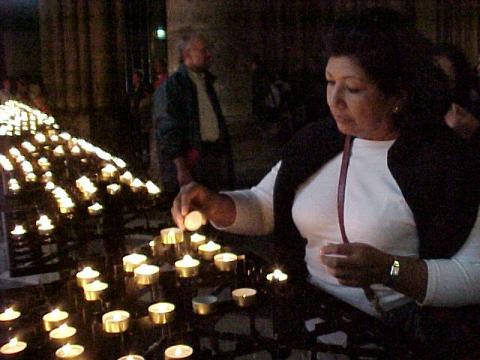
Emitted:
<point x="356" y="264"/>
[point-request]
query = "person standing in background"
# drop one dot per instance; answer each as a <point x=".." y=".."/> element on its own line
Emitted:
<point x="191" y="129"/>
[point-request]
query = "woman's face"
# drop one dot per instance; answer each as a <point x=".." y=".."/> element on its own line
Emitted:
<point x="360" y="109"/>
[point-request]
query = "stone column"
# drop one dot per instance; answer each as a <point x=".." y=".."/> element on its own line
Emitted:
<point x="222" y="22"/>
<point x="72" y="78"/>
<point x="83" y="54"/>
<point x="46" y="48"/>
<point x="58" y="54"/>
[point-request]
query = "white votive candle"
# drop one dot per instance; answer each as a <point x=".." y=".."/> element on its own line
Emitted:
<point x="94" y="290"/>
<point x="9" y="315"/>
<point x="171" y="236"/>
<point x="18" y="231"/>
<point x="244" y="297"/>
<point x="54" y="319"/>
<point x="86" y="276"/>
<point x="187" y="267"/>
<point x="146" y="274"/>
<point x="277" y="275"/>
<point x="162" y="312"/>
<point x="95" y="209"/>
<point x="197" y="239"/>
<point x="209" y="250"/>
<point x="69" y="351"/>
<point x="193" y="220"/>
<point x="176" y="352"/>
<point x="112" y="189"/>
<point x="225" y="261"/>
<point x="132" y="261"/>
<point x="62" y="333"/>
<point x="115" y="321"/>
<point x="13" y="347"/>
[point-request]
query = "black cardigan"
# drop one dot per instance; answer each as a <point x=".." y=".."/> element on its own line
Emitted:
<point x="437" y="173"/>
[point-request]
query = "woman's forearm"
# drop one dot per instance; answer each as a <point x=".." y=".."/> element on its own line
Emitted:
<point x="412" y="278"/>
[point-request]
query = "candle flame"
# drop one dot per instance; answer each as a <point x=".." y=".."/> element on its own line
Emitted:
<point x="277" y="274"/>
<point x="178" y="351"/>
<point x="13" y="342"/>
<point x="67" y="348"/>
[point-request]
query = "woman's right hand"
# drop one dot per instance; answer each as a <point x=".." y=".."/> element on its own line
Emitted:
<point x="218" y="208"/>
<point x="192" y="196"/>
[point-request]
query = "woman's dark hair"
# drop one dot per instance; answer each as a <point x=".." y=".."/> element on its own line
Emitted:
<point x="464" y="75"/>
<point x="398" y="59"/>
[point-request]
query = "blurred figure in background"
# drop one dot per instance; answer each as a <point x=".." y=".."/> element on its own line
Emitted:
<point x="6" y="91"/>
<point x="464" y="114"/>
<point x="191" y="129"/>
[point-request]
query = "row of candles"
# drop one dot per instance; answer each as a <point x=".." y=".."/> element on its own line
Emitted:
<point x="117" y="321"/>
<point x="16" y="118"/>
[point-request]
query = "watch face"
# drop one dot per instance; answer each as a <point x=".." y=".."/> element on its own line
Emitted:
<point x="395" y="269"/>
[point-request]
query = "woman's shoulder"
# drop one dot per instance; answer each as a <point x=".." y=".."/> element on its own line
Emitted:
<point x="317" y="134"/>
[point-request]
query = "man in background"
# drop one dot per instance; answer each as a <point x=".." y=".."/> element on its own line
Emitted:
<point x="190" y="126"/>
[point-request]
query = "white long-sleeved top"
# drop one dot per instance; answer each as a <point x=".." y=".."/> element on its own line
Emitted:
<point x="376" y="213"/>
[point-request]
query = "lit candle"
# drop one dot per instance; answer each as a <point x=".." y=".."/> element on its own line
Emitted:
<point x="9" y="315"/>
<point x="209" y="250"/>
<point x="176" y="352"/>
<point x="40" y="138"/>
<point x="44" y="225"/>
<point x="197" y="239"/>
<point x="54" y="319"/>
<point x="47" y="176"/>
<point x="131" y="357"/>
<point x="49" y="186"/>
<point x="30" y="177"/>
<point x="187" y="267"/>
<point x="152" y="189"/>
<point x="115" y="321"/>
<point x="58" y="151"/>
<point x="94" y="290"/>
<point x="204" y="305"/>
<point x="13" y="347"/>
<point x="63" y="333"/>
<point x="18" y="232"/>
<point x="193" y="220"/>
<point x="95" y="209"/>
<point x="161" y="313"/>
<point x="13" y="186"/>
<point x="277" y="276"/>
<point x="126" y="178"/>
<point x="132" y="261"/>
<point x="225" y="261"/>
<point x="171" y="235"/>
<point x="43" y="163"/>
<point x="72" y="352"/>
<point x="137" y="185"/>
<point x="108" y="171"/>
<point x="244" y="297"/>
<point x="112" y="189"/>
<point x="86" y="276"/>
<point x="75" y="150"/>
<point x="146" y="274"/>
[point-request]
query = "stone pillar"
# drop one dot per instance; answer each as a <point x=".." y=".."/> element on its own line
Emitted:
<point x="58" y="54"/>
<point x="83" y="55"/>
<point x="222" y="22"/>
<point x="46" y="45"/>
<point x="72" y="79"/>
